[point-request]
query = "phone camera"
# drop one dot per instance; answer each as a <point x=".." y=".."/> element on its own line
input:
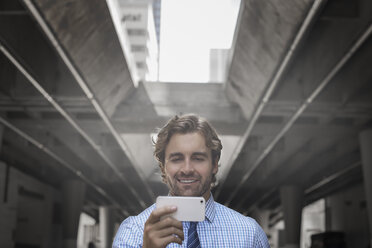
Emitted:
<point x="201" y="201"/>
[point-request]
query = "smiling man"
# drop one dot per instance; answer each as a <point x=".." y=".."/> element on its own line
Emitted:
<point x="188" y="150"/>
<point x="189" y="168"/>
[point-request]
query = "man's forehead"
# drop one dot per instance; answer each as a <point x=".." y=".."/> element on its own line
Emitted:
<point x="190" y="137"/>
<point x="194" y="134"/>
<point x="192" y="142"/>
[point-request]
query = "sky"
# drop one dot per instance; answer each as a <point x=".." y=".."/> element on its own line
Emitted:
<point x="188" y="30"/>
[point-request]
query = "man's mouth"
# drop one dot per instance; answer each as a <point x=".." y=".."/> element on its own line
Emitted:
<point x="187" y="181"/>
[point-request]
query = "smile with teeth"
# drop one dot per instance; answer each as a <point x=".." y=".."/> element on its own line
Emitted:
<point x="187" y="180"/>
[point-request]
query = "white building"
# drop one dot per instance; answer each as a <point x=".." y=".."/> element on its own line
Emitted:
<point x="218" y="65"/>
<point x="138" y="22"/>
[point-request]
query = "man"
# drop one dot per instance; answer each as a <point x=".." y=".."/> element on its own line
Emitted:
<point x="188" y="150"/>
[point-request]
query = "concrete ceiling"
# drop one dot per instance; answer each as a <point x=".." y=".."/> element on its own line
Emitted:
<point x="298" y="93"/>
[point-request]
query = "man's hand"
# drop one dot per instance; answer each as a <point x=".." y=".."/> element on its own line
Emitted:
<point x="159" y="232"/>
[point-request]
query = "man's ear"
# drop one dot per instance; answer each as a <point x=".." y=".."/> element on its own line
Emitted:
<point x="163" y="177"/>
<point x="215" y="167"/>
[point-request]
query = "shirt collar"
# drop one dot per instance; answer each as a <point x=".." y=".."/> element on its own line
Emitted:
<point x="210" y="211"/>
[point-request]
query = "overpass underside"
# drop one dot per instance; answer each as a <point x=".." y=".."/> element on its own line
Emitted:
<point x="294" y="116"/>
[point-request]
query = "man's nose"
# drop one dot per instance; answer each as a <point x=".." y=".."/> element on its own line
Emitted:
<point x="187" y="166"/>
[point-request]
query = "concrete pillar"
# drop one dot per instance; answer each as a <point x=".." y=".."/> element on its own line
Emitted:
<point x="73" y="192"/>
<point x="1" y="135"/>
<point x="365" y="138"/>
<point x="335" y="213"/>
<point x="262" y="218"/>
<point x="291" y="198"/>
<point x="4" y="169"/>
<point x="106" y="226"/>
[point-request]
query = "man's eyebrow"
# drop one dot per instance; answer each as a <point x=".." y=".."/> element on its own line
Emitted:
<point x="175" y="154"/>
<point x="204" y="154"/>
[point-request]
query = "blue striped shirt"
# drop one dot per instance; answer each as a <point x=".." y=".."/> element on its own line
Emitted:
<point x="222" y="227"/>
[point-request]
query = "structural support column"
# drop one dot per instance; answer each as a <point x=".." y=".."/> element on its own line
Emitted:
<point x="365" y="139"/>
<point x="1" y="136"/>
<point x="73" y="193"/>
<point x="262" y="217"/>
<point x="291" y="198"/>
<point x="106" y="226"/>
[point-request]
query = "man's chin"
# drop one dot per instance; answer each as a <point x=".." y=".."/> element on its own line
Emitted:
<point x="187" y="193"/>
<point x="191" y="194"/>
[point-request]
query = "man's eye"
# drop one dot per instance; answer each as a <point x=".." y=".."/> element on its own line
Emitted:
<point x="175" y="159"/>
<point x="199" y="158"/>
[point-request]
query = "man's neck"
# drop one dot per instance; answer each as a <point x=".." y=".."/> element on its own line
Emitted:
<point x="207" y="195"/>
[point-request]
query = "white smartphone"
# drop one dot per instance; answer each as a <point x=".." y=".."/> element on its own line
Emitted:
<point x="188" y="208"/>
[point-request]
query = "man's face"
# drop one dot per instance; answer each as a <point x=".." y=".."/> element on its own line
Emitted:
<point x="188" y="165"/>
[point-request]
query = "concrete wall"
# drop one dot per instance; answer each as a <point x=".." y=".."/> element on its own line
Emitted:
<point x="29" y="212"/>
<point x="313" y="221"/>
<point x="88" y="231"/>
<point x="346" y="211"/>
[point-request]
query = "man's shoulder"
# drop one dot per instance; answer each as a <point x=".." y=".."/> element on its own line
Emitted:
<point x="224" y="214"/>
<point x="140" y="219"/>
<point x="130" y="233"/>
<point x="244" y="227"/>
<point x="145" y="213"/>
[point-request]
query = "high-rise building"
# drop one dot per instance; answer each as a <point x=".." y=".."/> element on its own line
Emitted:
<point x="218" y="65"/>
<point x="137" y="18"/>
<point x="156" y="6"/>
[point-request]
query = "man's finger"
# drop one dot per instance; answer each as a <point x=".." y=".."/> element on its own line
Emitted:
<point x="171" y="239"/>
<point x="160" y="212"/>
<point x="169" y="231"/>
<point x="168" y="222"/>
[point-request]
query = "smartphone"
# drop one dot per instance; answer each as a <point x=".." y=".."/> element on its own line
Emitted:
<point x="188" y="208"/>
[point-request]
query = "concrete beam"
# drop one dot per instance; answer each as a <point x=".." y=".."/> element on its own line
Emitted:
<point x="165" y="100"/>
<point x="86" y="32"/>
<point x="264" y="33"/>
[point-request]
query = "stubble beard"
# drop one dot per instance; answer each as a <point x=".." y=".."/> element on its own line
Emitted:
<point x="202" y="188"/>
